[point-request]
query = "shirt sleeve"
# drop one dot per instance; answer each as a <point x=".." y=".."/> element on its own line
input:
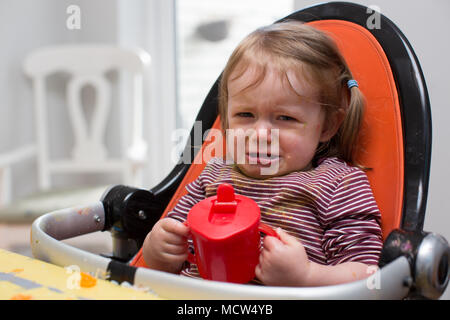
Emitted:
<point x="352" y="222"/>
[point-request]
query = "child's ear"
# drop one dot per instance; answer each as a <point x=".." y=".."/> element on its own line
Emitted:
<point x="333" y="121"/>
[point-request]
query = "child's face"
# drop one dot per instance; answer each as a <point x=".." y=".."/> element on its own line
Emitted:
<point x="269" y="105"/>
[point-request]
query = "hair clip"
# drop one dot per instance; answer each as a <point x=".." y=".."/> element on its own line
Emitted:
<point x="352" y="83"/>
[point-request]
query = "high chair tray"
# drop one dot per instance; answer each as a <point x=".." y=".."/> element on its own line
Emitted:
<point x="24" y="278"/>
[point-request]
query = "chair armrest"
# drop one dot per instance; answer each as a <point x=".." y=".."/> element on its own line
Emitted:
<point x="48" y="229"/>
<point x="387" y="283"/>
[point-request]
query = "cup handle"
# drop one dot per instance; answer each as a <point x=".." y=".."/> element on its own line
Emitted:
<point x="191" y="257"/>
<point x="268" y="230"/>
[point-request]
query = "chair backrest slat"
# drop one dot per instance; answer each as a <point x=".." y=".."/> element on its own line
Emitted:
<point x="87" y="65"/>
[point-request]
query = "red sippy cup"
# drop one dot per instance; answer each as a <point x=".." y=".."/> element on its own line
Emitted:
<point x="225" y="231"/>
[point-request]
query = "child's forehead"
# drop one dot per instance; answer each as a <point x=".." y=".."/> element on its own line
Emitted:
<point x="294" y="78"/>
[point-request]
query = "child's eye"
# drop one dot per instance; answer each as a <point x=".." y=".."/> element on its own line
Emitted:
<point x="286" y="118"/>
<point x="244" y="114"/>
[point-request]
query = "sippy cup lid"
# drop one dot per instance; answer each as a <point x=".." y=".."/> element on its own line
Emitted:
<point x="223" y="215"/>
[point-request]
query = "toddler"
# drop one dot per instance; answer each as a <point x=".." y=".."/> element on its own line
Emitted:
<point x="290" y="79"/>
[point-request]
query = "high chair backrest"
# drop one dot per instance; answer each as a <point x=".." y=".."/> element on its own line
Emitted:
<point x="395" y="140"/>
<point x="88" y="65"/>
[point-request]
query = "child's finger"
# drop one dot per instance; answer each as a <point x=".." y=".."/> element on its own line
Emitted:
<point x="176" y="227"/>
<point x="175" y="249"/>
<point x="173" y="258"/>
<point x="270" y="243"/>
<point x="174" y="239"/>
<point x="259" y="272"/>
<point x="285" y="237"/>
<point x="261" y="257"/>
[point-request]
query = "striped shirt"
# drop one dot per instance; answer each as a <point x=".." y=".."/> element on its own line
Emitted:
<point x="330" y="208"/>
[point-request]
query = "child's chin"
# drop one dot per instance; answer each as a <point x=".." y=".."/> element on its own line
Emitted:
<point x="259" y="172"/>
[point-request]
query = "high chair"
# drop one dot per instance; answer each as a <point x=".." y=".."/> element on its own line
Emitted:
<point x="395" y="142"/>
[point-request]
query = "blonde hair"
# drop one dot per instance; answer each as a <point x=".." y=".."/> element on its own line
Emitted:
<point x="311" y="53"/>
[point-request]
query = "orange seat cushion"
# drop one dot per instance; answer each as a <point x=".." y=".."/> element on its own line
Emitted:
<point x="381" y="138"/>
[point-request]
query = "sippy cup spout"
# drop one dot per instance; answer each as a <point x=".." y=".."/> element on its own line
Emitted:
<point x="226" y="201"/>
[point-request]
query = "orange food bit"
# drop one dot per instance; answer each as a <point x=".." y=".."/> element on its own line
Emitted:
<point x="87" y="281"/>
<point x="21" y="296"/>
<point x="16" y="270"/>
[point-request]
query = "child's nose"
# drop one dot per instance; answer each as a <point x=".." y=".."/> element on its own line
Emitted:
<point x="263" y="130"/>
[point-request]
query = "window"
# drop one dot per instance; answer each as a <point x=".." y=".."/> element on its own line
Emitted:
<point x="207" y="31"/>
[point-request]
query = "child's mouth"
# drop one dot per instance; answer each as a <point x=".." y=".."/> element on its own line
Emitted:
<point x="261" y="158"/>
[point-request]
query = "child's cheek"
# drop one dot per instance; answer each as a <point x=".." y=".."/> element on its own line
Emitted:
<point x="302" y="129"/>
<point x="292" y="143"/>
<point x="318" y="128"/>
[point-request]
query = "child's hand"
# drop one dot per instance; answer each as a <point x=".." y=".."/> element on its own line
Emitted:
<point x="282" y="262"/>
<point x="166" y="246"/>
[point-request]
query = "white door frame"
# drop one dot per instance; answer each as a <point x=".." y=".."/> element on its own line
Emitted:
<point x="150" y="24"/>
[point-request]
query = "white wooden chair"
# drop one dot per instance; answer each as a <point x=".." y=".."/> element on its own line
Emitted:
<point x="87" y="65"/>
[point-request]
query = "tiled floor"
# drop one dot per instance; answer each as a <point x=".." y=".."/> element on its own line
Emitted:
<point x="16" y="238"/>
